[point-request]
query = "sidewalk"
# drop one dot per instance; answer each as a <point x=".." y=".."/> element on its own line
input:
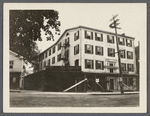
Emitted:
<point x="82" y="93"/>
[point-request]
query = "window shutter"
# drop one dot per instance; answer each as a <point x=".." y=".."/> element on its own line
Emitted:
<point x="85" y="34"/>
<point x="78" y="34"/>
<point x="96" y="50"/>
<point x="127" y="55"/>
<point x="78" y="48"/>
<point x="108" y="51"/>
<point x="128" y="66"/>
<point x="85" y="48"/>
<point x="96" y="64"/>
<point x="107" y="38"/>
<point x="114" y="52"/>
<point x="102" y="65"/>
<point x="125" y="67"/>
<point x="132" y="68"/>
<point x="124" y="54"/>
<point x="132" y="55"/>
<point x="123" y="42"/>
<point x="92" y="49"/>
<point x="126" y="42"/>
<point x="85" y="63"/>
<point x="101" y="37"/>
<point x="102" y="50"/>
<point x="92" y="65"/>
<point x="113" y="39"/>
<point x="131" y="43"/>
<point x="74" y="36"/>
<point x="95" y="36"/>
<point x="74" y="50"/>
<point x="91" y="35"/>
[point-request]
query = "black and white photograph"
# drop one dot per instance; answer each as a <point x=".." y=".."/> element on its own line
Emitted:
<point x="75" y="57"/>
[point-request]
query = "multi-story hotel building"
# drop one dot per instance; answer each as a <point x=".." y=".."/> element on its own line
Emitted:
<point x="96" y="52"/>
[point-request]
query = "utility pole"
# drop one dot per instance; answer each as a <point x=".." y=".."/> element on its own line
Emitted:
<point x="114" y="24"/>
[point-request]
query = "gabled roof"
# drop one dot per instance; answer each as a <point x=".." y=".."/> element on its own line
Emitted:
<point x="15" y="54"/>
<point x="84" y="27"/>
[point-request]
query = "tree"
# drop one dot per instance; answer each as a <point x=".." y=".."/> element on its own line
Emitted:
<point x="25" y="29"/>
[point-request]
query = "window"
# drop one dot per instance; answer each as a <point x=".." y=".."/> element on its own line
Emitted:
<point x="129" y="55"/>
<point x="77" y="62"/>
<point x="58" y="57"/>
<point x="125" y="81"/>
<point x="11" y="63"/>
<point x="49" y="62"/>
<point x="89" y="64"/>
<point x="111" y="70"/>
<point x="99" y="65"/>
<point x="67" y="54"/>
<point x="121" y="41"/>
<point x="130" y="82"/>
<point x="98" y="37"/>
<point x="130" y="67"/>
<point x="128" y="43"/>
<point x="67" y="34"/>
<point x="89" y="35"/>
<point x="14" y="79"/>
<point x="123" y="66"/>
<point x="41" y="64"/>
<point x="44" y="63"/>
<point x="53" y="60"/>
<point x="53" y="50"/>
<point x="111" y="52"/>
<point x="41" y="56"/>
<point x="76" y="36"/>
<point x="76" y="49"/>
<point x="122" y="53"/>
<point x="110" y="39"/>
<point x="59" y="46"/>
<point x="46" y="54"/>
<point x="67" y="42"/>
<point x="98" y="50"/>
<point x="49" y="52"/>
<point x="88" y="49"/>
<point x="111" y="64"/>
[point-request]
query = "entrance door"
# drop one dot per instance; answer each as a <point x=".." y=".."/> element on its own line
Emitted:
<point x="111" y="84"/>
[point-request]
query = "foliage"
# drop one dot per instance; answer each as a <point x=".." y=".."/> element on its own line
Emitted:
<point x="25" y="29"/>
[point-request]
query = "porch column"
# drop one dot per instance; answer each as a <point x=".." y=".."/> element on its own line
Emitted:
<point x="85" y="84"/>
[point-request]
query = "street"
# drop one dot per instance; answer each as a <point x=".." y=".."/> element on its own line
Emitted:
<point x="41" y="99"/>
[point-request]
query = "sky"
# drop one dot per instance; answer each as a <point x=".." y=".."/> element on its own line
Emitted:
<point x="97" y="15"/>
